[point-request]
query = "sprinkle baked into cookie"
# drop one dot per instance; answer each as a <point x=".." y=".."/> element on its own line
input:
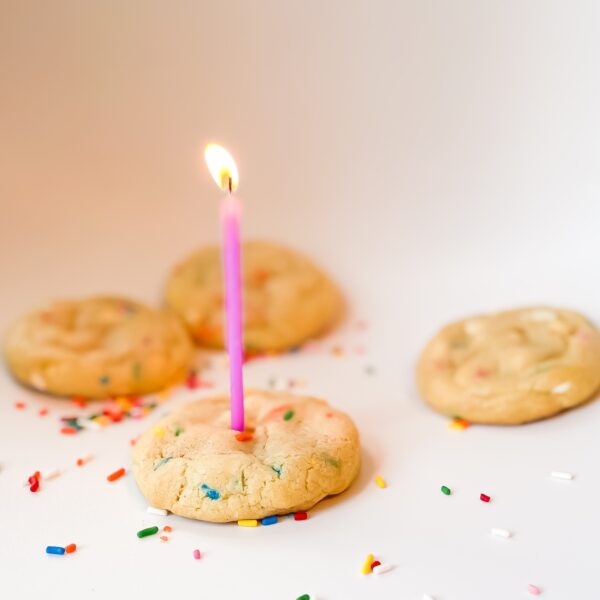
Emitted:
<point x="98" y="347"/>
<point x="296" y="451"/>
<point x="511" y="367"/>
<point x="287" y="299"/>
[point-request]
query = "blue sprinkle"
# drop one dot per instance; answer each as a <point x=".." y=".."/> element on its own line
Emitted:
<point x="104" y="380"/>
<point x="54" y="550"/>
<point x="210" y="492"/>
<point x="269" y="520"/>
<point x="161" y="462"/>
<point x="277" y="470"/>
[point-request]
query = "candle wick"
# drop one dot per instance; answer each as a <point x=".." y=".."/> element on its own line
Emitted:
<point x="230" y="185"/>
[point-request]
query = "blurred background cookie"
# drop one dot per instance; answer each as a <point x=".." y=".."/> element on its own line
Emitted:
<point x="287" y="299"/>
<point x="511" y="367"/>
<point x="98" y="347"/>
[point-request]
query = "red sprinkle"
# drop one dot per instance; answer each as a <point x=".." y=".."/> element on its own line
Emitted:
<point x="484" y="498"/>
<point x="192" y="381"/>
<point x="70" y="548"/>
<point x="79" y="401"/>
<point x="300" y="516"/>
<point x="68" y="430"/>
<point x="116" y="475"/>
<point x="35" y="486"/>
<point x="374" y="564"/>
<point x="20" y="405"/>
<point x="43" y="412"/>
<point x="243" y="436"/>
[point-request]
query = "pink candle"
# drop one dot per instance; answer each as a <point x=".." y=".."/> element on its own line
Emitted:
<point x="224" y="171"/>
<point x="230" y="223"/>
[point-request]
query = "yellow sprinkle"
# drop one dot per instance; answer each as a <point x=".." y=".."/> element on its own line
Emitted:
<point x="158" y="432"/>
<point x="458" y="424"/>
<point x="102" y="420"/>
<point x="380" y="481"/>
<point x="366" y="568"/>
<point x="248" y="523"/>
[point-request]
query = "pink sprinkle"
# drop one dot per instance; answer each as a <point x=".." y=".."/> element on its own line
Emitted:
<point x="534" y="590"/>
<point x="197" y="554"/>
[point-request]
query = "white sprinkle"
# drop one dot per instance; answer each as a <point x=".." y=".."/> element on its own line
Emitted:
<point x="157" y="511"/>
<point x="382" y="568"/>
<point x="561" y="475"/>
<point x="561" y="388"/>
<point x="52" y="474"/>
<point x="37" y="381"/>
<point x="503" y="533"/>
<point x="542" y="314"/>
<point x="90" y="424"/>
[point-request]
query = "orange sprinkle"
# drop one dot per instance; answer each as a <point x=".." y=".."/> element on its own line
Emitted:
<point x="243" y="436"/>
<point x="37" y="475"/>
<point x="164" y="538"/>
<point x="68" y="430"/>
<point x="70" y="548"/>
<point x="167" y="528"/>
<point x="116" y="475"/>
<point x="458" y="424"/>
<point x="80" y="462"/>
<point x="43" y="412"/>
<point x="20" y="405"/>
<point x="79" y="401"/>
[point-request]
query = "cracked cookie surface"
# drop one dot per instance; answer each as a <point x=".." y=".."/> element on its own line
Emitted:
<point x="98" y="347"/>
<point x="287" y="299"/>
<point x="296" y="451"/>
<point x="511" y="367"/>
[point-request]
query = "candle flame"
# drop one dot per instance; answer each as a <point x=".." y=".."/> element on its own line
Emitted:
<point x="222" y="167"/>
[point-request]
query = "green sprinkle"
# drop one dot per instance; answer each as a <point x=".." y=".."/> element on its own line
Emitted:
<point x="331" y="461"/>
<point x="303" y="597"/>
<point x="178" y="431"/>
<point x="136" y="370"/>
<point x="142" y="533"/>
<point x="446" y="490"/>
<point x="288" y="415"/>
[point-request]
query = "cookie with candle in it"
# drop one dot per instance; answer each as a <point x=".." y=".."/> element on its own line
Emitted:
<point x="287" y="299"/>
<point x="295" y="451"/>
<point x="511" y="367"/>
<point x="98" y="347"/>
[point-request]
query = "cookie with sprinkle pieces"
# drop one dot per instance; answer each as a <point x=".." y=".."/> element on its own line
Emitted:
<point x="511" y="367"/>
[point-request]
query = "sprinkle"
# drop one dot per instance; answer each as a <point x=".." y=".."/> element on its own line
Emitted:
<point x="458" y="424"/>
<point x="484" y="497"/>
<point x="178" y="431"/>
<point x="277" y="470"/>
<point x="243" y="436"/>
<point x="35" y="485"/>
<point x="304" y="597"/>
<point x="79" y="401"/>
<point x="366" y="566"/>
<point x="503" y="533"/>
<point x="380" y="481"/>
<point x="269" y="520"/>
<point x="71" y="548"/>
<point x="157" y="511"/>
<point x="85" y="459"/>
<point x="161" y="462"/>
<point x="52" y="474"/>
<point x="104" y="380"/>
<point x="43" y="412"/>
<point x="164" y="538"/>
<point x="142" y="533"/>
<point x="446" y="490"/>
<point x="561" y="388"/>
<point x="55" y="550"/>
<point x="288" y="415"/>
<point x="562" y="475"/>
<point x="210" y="492"/>
<point x="374" y="564"/>
<point x="197" y="554"/>
<point x="167" y="528"/>
<point x="116" y="475"/>
<point x="248" y="523"/>
<point x="20" y="405"/>
<point x="192" y="381"/>
<point x="534" y="590"/>
<point x="300" y="516"/>
<point x="158" y="432"/>
<point x="68" y="430"/>
<point x="382" y="568"/>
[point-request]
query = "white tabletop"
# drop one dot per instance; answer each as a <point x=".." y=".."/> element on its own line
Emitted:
<point x="439" y="159"/>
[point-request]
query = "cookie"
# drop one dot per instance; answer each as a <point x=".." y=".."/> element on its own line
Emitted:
<point x="98" y="347"/>
<point x="287" y="299"/>
<point x="511" y="367"/>
<point x="296" y="451"/>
